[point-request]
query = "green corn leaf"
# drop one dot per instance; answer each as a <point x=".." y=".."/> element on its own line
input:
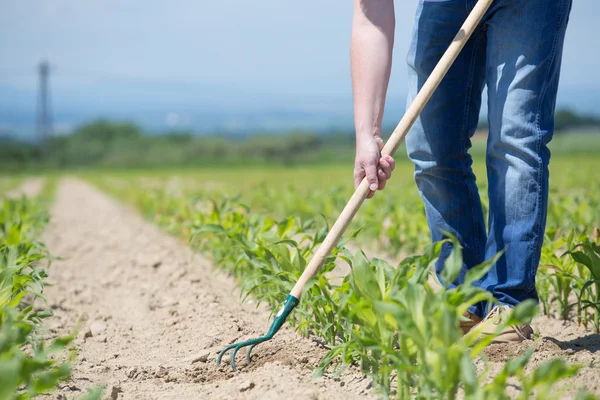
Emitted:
<point x="380" y="276"/>
<point x="581" y="258"/>
<point x="9" y="377"/>
<point x="288" y="242"/>
<point x="365" y="278"/>
<point x="285" y="226"/>
<point x="523" y="313"/>
<point x="214" y="228"/>
<point x="93" y="394"/>
<point x="44" y="314"/>
<point x="321" y="234"/>
<point x="355" y="233"/>
<point x="479" y="271"/>
<point x="454" y="262"/>
<point x="468" y="372"/>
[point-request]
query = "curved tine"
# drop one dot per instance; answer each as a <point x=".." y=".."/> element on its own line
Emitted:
<point x="256" y="341"/>
<point x="248" y="353"/>
<point x="251" y="343"/>
<point x="231" y="346"/>
<point x="232" y="359"/>
<point x="237" y="346"/>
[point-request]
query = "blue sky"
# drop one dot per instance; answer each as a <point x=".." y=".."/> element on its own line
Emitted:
<point x="188" y="60"/>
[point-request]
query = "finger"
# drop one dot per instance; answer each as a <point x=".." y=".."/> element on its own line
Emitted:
<point x="359" y="174"/>
<point x="391" y="161"/>
<point x="379" y="142"/>
<point x="386" y="167"/>
<point x="382" y="179"/>
<point x="371" y="172"/>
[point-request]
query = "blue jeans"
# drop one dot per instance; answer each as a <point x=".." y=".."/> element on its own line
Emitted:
<point x="516" y="50"/>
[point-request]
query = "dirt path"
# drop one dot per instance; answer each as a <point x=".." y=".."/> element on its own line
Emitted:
<point x="154" y="308"/>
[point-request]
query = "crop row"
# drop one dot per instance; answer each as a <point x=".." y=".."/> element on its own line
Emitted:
<point x="393" y="223"/>
<point x="28" y="365"/>
<point x="389" y="320"/>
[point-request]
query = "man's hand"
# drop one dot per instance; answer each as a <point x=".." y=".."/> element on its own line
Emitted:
<point x="369" y="163"/>
<point x="371" y="62"/>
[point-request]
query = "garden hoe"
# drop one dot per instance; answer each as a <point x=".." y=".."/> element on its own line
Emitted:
<point x="362" y="190"/>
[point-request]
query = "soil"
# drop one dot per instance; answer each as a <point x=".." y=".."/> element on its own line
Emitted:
<point x="153" y="315"/>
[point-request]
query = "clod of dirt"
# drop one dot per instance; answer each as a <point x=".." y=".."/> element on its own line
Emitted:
<point x="310" y="394"/>
<point x="161" y="372"/>
<point x="200" y="357"/>
<point x="87" y="333"/>
<point x="114" y="393"/>
<point x="102" y="339"/>
<point x="246" y="385"/>
<point x="97" y="327"/>
<point x="132" y="372"/>
<point x="162" y="303"/>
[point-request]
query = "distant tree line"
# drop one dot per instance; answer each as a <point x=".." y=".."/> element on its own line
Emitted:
<point x="124" y="145"/>
<point x="107" y="144"/>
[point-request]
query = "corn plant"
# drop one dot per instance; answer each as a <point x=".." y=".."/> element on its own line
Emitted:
<point x="268" y="256"/>
<point x="405" y="334"/>
<point x="543" y="285"/>
<point x="28" y="366"/>
<point x="559" y="271"/>
<point x="587" y="254"/>
<point x="388" y="320"/>
<point x="539" y="384"/>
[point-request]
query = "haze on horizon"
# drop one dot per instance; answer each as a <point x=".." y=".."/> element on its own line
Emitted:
<point x="237" y="62"/>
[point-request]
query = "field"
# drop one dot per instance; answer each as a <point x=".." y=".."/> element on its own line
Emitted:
<point x="160" y="269"/>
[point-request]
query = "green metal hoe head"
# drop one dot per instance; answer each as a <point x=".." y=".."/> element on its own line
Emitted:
<point x="290" y="303"/>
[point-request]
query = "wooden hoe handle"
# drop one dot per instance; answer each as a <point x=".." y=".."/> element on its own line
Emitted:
<point x="360" y="194"/>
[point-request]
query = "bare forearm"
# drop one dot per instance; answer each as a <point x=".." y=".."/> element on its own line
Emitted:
<point x="371" y="61"/>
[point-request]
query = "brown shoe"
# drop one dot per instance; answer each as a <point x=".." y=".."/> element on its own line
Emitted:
<point x="469" y="322"/>
<point x="513" y="333"/>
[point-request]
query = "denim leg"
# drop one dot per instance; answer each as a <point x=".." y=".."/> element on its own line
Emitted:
<point x="524" y="48"/>
<point x="439" y="141"/>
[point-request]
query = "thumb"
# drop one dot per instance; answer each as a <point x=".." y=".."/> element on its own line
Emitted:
<point x="371" y="173"/>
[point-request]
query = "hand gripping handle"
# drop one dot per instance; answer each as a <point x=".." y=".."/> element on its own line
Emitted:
<point x="430" y="85"/>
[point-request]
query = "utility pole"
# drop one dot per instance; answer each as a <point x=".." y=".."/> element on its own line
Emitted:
<point x="44" y="112"/>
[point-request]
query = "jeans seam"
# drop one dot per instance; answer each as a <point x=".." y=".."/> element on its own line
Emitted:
<point x="540" y="204"/>
<point x="463" y="141"/>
